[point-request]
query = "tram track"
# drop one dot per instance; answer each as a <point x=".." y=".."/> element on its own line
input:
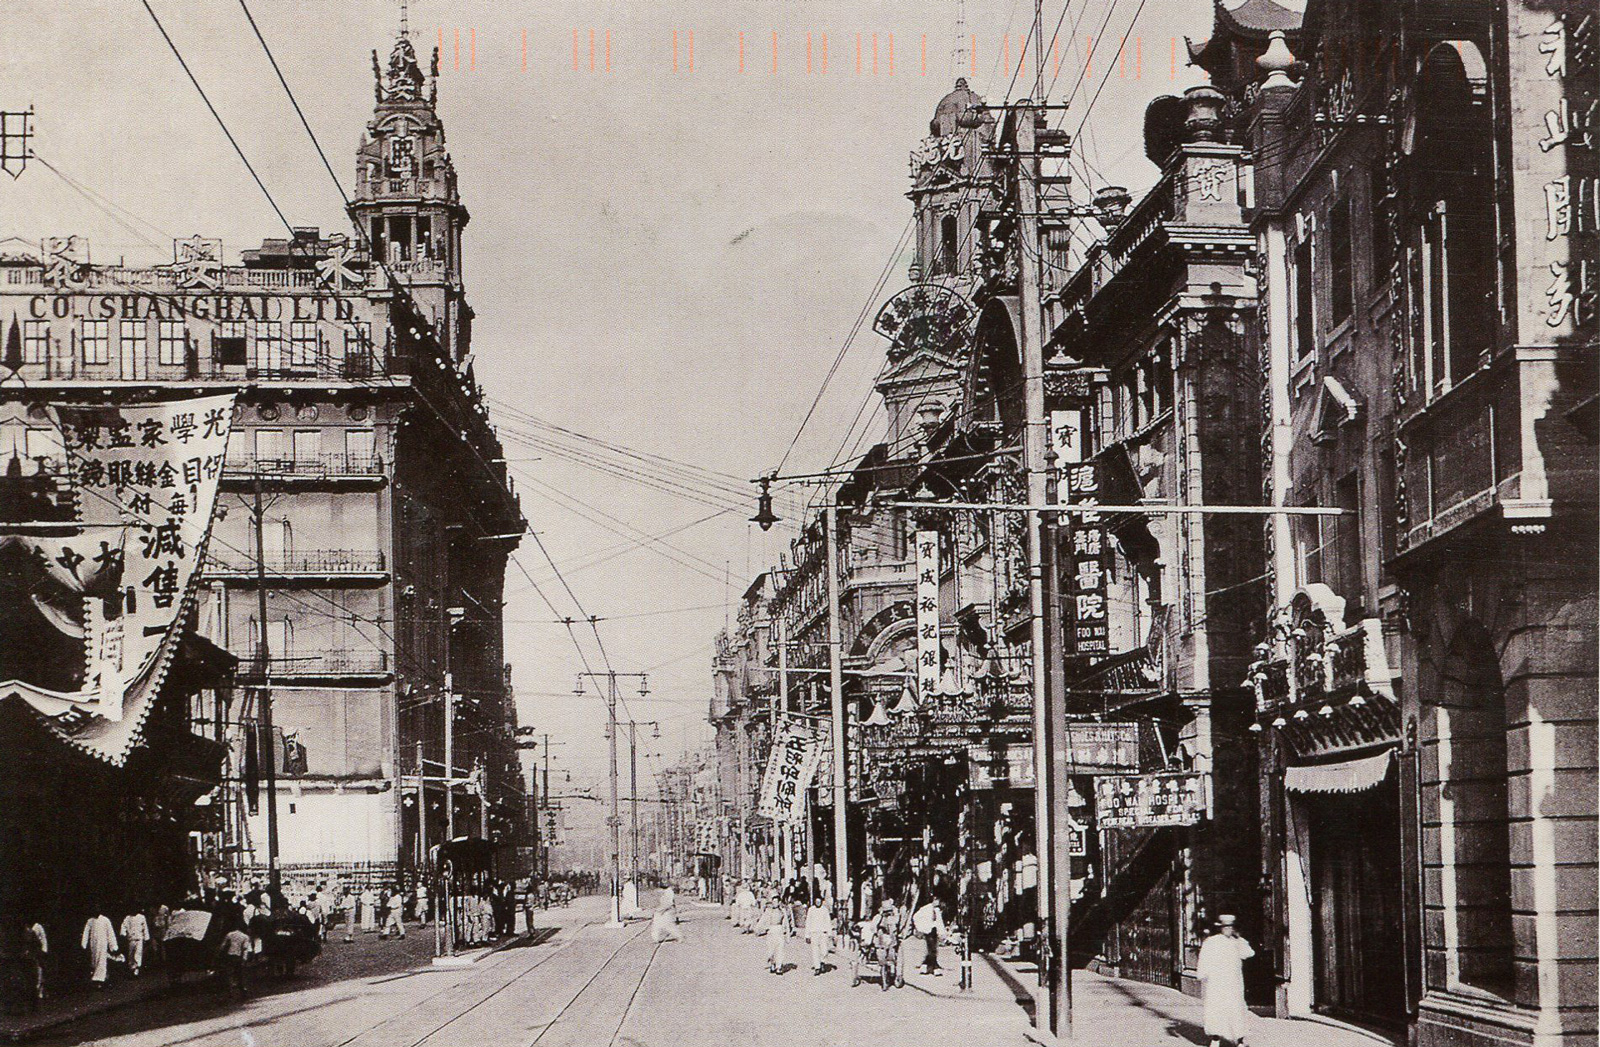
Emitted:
<point x="594" y="977"/>
<point x="455" y="986"/>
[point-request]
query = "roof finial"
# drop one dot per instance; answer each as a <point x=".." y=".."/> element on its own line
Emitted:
<point x="405" y="19"/>
<point x="960" y="57"/>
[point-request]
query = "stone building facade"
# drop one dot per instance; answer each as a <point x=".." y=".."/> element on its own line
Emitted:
<point x="386" y="516"/>
<point x="1425" y="219"/>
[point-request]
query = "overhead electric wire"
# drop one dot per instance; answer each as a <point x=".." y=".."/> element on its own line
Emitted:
<point x="218" y="116"/>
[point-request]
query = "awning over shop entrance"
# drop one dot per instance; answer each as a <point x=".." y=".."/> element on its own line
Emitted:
<point x="1350" y="776"/>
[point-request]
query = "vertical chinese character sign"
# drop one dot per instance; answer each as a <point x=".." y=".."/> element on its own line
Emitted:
<point x="790" y="768"/>
<point x="1088" y="583"/>
<point x="927" y="615"/>
<point x="117" y="579"/>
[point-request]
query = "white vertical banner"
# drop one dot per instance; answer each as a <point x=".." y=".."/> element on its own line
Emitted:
<point x="107" y="599"/>
<point x="791" y="765"/>
<point x="927" y="543"/>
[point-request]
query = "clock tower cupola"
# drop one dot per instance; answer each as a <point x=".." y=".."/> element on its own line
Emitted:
<point x="406" y="201"/>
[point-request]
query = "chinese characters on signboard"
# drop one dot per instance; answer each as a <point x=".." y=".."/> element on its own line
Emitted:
<point x="927" y="615"/>
<point x="1093" y="747"/>
<point x="1129" y="801"/>
<point x="145" y="479"/>
<point x="790" y="768"/>
<point x="1562" y="131"/>
<point x="1087" y="585"/>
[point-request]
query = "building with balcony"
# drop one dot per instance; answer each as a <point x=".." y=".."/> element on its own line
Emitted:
<point x="365" y="503"/>
<point x="1425" y="218"/>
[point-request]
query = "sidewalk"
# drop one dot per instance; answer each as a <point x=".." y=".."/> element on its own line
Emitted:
<point x="367" y="955"/>
<point x="1116" y="1011"/>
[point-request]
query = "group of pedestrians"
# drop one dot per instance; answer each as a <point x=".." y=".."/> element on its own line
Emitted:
<point x="802" y="909"/>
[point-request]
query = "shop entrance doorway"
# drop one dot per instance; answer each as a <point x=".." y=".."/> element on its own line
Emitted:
<point x="1356" y="904"/>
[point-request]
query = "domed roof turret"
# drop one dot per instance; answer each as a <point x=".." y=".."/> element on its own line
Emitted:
<point x="950" y="108"/>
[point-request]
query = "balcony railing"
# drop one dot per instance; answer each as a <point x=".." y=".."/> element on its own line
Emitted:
<point x="310" y="467"/>
<point x="322" y="562"/>
<point x="341" y="662"/>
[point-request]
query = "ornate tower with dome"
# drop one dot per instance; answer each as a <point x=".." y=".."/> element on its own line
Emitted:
<point x="406" y="202"/>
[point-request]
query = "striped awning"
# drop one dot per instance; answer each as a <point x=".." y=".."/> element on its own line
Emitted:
<point x="1349" y="776"/>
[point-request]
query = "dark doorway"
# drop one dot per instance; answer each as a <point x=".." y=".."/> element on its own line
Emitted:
<point x="1356" y="904"/>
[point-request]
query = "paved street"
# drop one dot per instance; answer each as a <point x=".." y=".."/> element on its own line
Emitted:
<point x="590" y="985"/>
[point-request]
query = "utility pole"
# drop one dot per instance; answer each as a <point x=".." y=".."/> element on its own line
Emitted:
<point x="1053" y="891"/>
<point x="268" y="736"/>
<point x="481" y="773"/>
<point x="422" y="814"/>
<point x="615" y="818"/>
<point x="633" y="801"/>
<point x="841" y="839"/>
<point x="544" y="841"/>
<point x="615" y="821"/>
<point x="780" y="712"/>
<point x="449" y="748"/>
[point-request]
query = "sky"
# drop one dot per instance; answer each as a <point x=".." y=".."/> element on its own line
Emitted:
<point x="666" y="253"/>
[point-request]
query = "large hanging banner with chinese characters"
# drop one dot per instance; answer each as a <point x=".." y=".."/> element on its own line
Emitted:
<point x="108" y="588"/>
<point x="790" y="767"/>
<point x="1127" y="801"/>
<point x="1088" y="581"/>
<point x="927" y="617"/>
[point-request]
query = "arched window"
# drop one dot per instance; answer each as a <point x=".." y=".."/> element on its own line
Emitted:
<point x="1469" y="702"/>
<point x="1451" y="236"/>
<point x="949" y="246"/>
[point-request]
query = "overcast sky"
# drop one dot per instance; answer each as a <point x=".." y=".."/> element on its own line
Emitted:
<point x="666" y="259"/>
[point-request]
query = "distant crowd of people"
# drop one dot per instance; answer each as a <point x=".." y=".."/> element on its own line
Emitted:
<point x="893" y="938"/>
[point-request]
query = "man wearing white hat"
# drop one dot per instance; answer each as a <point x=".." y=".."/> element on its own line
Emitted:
<point x="1221" y="970"/>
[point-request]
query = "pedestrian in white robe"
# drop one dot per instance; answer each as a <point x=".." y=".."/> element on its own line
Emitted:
<point x="1221" y="970"/>
<point x="819" y="933"/>
<point x="135" y="931"/>
<point x="745" y="908"/>
<point x="99" y="941"/>
<point x="369" y="910"/>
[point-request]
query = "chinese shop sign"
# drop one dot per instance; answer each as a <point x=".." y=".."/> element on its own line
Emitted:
<point x="927" y="616"/>
<point x="1087" y="584"/>
<point x="118" y="581"/>
<point x="1128" y="801"/>
<point x="790" y="767"/>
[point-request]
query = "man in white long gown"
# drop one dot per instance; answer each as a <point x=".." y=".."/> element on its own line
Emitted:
<point x="1221" y="971"/>
<point x="99" y="941"/>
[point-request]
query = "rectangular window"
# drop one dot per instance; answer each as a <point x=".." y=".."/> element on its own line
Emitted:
<point x="425" y="237"/>
<point x="1304" y="326"/>
<point x="1147" y="393"/>
<point x="269" y="447"/>
<point x="1341" y="292"/>
<point x="1380" y="230"/>
<point x="97" y="341"/>
<point x="1161" y="378"/>
<point x="1386" y="496"/>
<point x="1350" y="583"/>
<point x="303" y="344"/>
<point x="269" y="345"/>
<point x="131" y="335"/>
<point x="172" y="344"/>
<point x="1308" y="537"/>
<point x="35" y="341"/>
<point x="358" y="351"/>
<point x="359" y="445"/>
<point x="230" y="346"/>
<point x="307" y="446"/>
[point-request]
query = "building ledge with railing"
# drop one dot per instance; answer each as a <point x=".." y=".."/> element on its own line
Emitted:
<point x="314" y="565"/>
